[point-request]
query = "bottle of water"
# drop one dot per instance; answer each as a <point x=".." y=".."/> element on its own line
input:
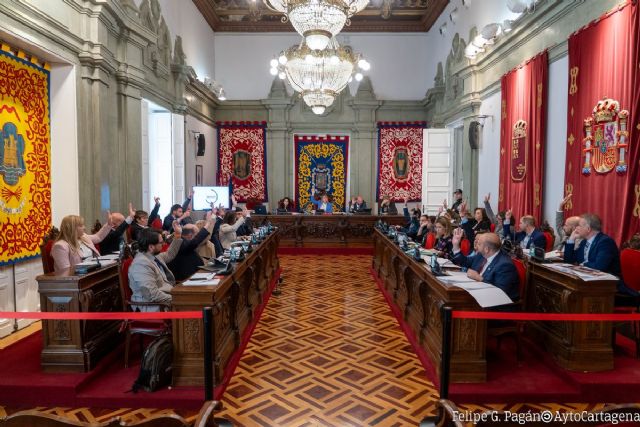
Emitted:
<point x="232" y="255"/>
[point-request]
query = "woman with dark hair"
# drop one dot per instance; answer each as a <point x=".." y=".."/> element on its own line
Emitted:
<point x="142" y="220"/>
<point x="479" y="222"/>
<point x="443" y="244"/>
<point x="230" y="224"/>
<point x="285" y="205"/>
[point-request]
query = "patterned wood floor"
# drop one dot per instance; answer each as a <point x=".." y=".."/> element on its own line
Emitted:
<point x="327" y="352"/>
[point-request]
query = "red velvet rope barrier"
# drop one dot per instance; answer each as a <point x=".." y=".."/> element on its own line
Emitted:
<point x="545" y="316"/>
<point x="65" y="315"/>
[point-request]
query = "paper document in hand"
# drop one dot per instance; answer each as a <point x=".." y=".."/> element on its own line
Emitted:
<point x="485" y="294"/>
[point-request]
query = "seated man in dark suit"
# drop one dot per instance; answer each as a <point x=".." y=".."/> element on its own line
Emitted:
<point x="528" y="236"/>
<point x="357" y="205"/>
<point x="111" y="243"/>
<point x="596" y="250"/>
<point x="187" y="260"/>
<point x="178" y="212"/>
<point x="489" y="265"/>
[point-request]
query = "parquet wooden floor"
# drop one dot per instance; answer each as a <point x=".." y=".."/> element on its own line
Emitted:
<point x="326" y="352"/>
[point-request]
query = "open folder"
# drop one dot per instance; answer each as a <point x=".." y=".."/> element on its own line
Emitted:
<point x="485" y="294"/>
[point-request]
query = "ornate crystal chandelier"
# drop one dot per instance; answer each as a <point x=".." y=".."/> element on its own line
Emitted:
<point x="317" y="20"/>
<point x="319" y="75"/>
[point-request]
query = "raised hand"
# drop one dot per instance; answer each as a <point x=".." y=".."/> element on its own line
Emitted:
<point x="177" y="228"/>
<point x="458" y="234"/>
<point x="444" y="204"/>
<point x="487" y="198"/>
<point x="156" y="200"/>
<point x="440" y="210"/>
<point x="191" y="194"/>
<point x="132" y="211"/>
<point x="463" y="209"/>
<point x="209" y="215"/>
<point x="109" y="220"/>
<point x="564" y="201"/>
<point x="233" y="200"/>
<point x="507" y="215"/>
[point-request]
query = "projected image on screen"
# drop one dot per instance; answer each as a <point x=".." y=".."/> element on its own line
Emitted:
<point x="203" y="197"/>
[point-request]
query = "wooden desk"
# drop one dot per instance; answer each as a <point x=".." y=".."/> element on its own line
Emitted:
<point x="332" y="230"/>
<point x="419" y="296"/>
<point x="578" y="346"/>
<point x="234" y="301"/>
<point x="77" y="345"/>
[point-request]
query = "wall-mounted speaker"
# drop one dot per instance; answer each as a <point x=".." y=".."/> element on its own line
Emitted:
<point x="201" y="145"/>
<point x="474" y="135"/>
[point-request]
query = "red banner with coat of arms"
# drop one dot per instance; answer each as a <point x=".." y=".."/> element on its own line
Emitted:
<point x="25" y="169"/>
<point x="522" y="137"/>
<point x="242" y="156"/>
<point x="400" y="160"/>
<point x="603" y="130"/>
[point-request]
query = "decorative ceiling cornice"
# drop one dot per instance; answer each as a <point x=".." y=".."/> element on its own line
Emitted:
<point x="395" y="16"/>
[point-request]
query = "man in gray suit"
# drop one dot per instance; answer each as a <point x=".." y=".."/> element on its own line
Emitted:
<point x="149" y="277"/>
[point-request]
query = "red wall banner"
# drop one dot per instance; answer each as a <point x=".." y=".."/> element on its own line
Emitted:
<point x="603" y="123"/>
<point x="522" y="137"/>
<point x="242" y="155"/>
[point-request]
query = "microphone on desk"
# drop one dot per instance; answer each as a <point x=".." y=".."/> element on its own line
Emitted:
<point x="97" y="258"/>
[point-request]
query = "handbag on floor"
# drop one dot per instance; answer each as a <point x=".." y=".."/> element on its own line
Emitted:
<point x="155" y="368"/>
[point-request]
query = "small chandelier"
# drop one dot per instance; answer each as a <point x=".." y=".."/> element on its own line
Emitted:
<point x="317" y="20"/>
<point x="319" y="75"/>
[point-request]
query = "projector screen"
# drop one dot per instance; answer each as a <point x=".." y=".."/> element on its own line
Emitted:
<point x="204" y="196"/>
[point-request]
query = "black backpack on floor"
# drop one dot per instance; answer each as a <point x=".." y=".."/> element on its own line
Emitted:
<point x="155" y="368"/>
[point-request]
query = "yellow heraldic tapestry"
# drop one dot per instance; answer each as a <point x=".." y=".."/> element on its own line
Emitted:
<point x="25" y="172"/>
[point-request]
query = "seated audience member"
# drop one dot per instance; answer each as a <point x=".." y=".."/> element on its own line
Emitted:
<point x="357" y="204"/>
<point x="187" y="261"/>
<point x="229" y="226"/>
<point x="489" y="265"/>
<point x="323" y="204"/>
<point x="479" y="222"/>
<point x="215" y="234"/>
<point x="246" y="229"/>
<point x="597" y="250"/>
<point x="565" y="227"/>
<point x="457" y="200"/>
<point x="150" y="279"/>
<point x="475" y="242"/>
<point x="74" y="245"/>
<point x="178" y="212"/>
<point x="286" y="205"/>
<point x="387" y="207"/>
<point x="111" y="243"/>
<point x="496" y="220"/>
<point x="142" y="219"/>
<point x="443" y="243"/>
<point x="426" y="227"/>
<point x="413" y="224"/>
<point x="528" y="236"/>
<point x="206" y="249"/>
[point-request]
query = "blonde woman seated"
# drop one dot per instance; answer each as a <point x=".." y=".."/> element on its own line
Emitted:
<point x="74" y="245"/>
<point x="230" y="224"/>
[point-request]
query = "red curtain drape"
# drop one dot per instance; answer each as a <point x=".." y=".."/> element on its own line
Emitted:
<point x="522" y="137"/>
<point x="603" y="64"/>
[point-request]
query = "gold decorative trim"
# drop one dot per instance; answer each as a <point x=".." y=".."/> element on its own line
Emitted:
<point x="573" y="89"/>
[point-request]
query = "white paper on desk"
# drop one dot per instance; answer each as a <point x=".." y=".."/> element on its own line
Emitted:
<point x="108" y="257"/>
<point x="201" y="282"/>
<point x="584" y="273"/>
<point x="552" y="255"/>
<point x="201" y="276"/>
<point x="485" y="294"/>
<point x="455" y="277"/>
<point x="103" y="263"/>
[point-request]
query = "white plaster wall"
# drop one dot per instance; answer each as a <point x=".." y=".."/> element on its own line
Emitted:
<point x="478" y="14"/>
<point x="65" y="199"/>
<point x="556" y="149"/>
<point x="208" y="161"/>
<point x="184" y="19"/>
<point x="489" y="151"/>
<point x="398" y="62"/>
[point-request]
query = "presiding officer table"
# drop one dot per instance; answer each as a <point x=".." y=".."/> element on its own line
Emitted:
<point x="319" y="230"/>
<point x="234" y="301"/>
